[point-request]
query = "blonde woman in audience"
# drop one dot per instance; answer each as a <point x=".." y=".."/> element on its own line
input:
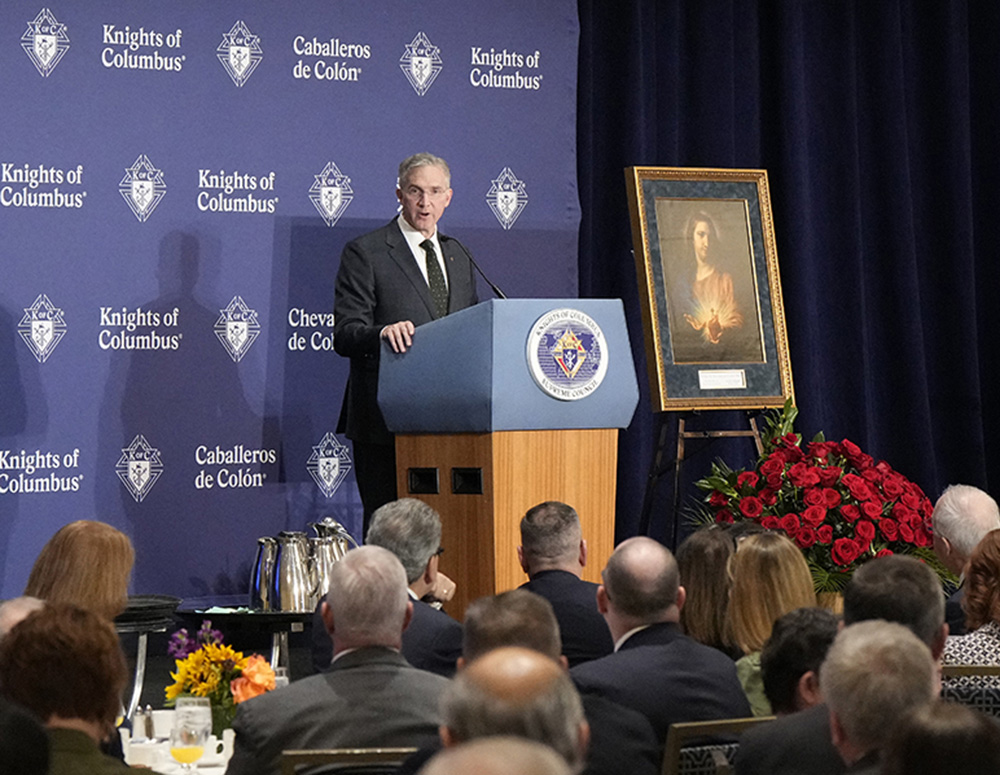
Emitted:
<point x="769" y="578"/>
<point x="87" y="564"/>
<point x="703" y="560"/>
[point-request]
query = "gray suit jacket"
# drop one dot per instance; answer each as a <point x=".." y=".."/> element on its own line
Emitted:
<point x="370" y="697"/>
<point x="379" y="283"/>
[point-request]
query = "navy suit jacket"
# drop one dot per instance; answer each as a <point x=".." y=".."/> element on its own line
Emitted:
<point x="668" y="677"/>
<point x="380" y="283"/>
<point x="953" y="613"/>
<point x="797" y="744"/>
<point x="433" y="641"/>
<point x="584" y="632"/>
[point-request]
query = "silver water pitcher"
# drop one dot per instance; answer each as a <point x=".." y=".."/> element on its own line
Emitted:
<point x="331" y="543"/>
<point x="262" y="576"/>
<point x="294" y="585"/>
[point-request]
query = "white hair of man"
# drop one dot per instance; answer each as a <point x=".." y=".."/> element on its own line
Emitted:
<point x="964" y="515"/>
<point x="16" y="610"/>
<point x="874" y="673"/>
<point x="368" y="599"/>
<point x="411" y="530"/>
<point x="421" y="160"/>
<point x="550" y="536"/>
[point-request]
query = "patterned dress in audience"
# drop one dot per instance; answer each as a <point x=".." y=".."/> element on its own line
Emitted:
<point x="980" y="647"/>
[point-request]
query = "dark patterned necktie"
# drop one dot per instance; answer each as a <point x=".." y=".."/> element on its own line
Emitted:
<point x="435" y="279"/>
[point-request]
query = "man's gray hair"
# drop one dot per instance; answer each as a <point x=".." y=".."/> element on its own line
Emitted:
<point x="874" y="673"/>
<point x="964" y="515"/>
<point x="550" y="533"/>
<point x="411" y="530"/>
<point x="15" y="610"/>
<point x="641" y="579"/>
<point x="368" y="596"/>
<point x="421" y="160"/>
<point x="551" y="714"/>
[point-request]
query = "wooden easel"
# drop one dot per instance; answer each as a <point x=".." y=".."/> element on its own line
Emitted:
<point x="657" y="469"/>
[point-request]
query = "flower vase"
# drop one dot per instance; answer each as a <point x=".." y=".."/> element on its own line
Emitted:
<point x="832" y="601"/>
<point x="222" y="718"/>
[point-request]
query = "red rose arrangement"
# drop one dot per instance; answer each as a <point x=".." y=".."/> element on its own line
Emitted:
<point x="837" y="504"/>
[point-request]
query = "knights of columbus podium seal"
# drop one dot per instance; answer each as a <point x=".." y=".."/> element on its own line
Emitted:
<point x="567" y="354"/>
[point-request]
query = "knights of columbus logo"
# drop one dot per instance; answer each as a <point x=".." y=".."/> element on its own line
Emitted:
<point x="507" y="197"/>
<point x="331" y="193"/>
<point x="237" y="328"/>
<point x="240" y="53"/>
<point x="421" y="62"/>
<point x="142" y="187"/>
<point x="45" y="42"/>
<point x="329" y="464"/>
<point x="42" y="327"/>
<point x="139" y="467"/>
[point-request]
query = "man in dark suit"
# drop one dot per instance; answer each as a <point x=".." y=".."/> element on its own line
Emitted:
<point x="397" y="277"/>
<point x="897" y="589"/>
<point x="656" y="669"/>
<point x="411" y="530"/>
<point x="962" y="516"/>
<point x="553" y="554"/>
<point x="371" y="697"/>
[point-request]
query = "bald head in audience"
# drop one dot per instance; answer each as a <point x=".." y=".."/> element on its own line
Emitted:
<point x="519" y="692"/>
<point x="15" y="610"/>
<point x="641" y="586"/>
<point x="497" y="756"/>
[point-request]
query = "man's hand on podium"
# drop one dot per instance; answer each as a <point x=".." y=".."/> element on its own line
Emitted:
<point x="399" y="335"/>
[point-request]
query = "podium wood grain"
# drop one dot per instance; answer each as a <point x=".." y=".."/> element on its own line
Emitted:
<point x="520" y="469"/>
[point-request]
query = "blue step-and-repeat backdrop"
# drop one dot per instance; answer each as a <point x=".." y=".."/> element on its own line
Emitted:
<point x="177" y="180"/>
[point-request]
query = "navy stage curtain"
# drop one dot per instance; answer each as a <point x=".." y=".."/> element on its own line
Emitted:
<point x="877" y="124"/>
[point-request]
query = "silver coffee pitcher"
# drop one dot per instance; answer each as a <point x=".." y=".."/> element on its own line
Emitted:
<point x="294" y="585"/>
<point x="262" y="576"/>
<point x="331" y="543"/>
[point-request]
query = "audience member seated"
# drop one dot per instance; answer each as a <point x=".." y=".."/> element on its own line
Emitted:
<point x="897" y="589"/>
<point x="24" y="747"/>
<point x="554" y="554"/>
<point x="497" y="756"/>
<point x="962" y="516"/>
<point x="64" y="665"/>
<point x="981" y="645"/>
<point x="769" y="578"/>
<point x="943" y="737"/>
<point x="370" y="697"/>
<point x="703" y="560"/>
<point x="16" y="610"/>
<point x="874" y="674"/>
<point x="87" y="564"/>
<point x="656" y="669"/>
<point x="517" y="692"/>
<point x="790" y="660"/>
<point x="411" y="530"/>
<point x="621" y="739"/>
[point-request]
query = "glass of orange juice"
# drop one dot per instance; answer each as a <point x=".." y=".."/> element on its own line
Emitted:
<point x="192" y="726"/>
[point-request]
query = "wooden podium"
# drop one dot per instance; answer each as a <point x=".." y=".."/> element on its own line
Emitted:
<point x="481" y="441"/>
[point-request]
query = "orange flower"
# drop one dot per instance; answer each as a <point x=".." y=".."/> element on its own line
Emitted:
<point x="257" y="678"/>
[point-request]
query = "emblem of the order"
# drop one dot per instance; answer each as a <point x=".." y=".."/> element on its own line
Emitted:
<point x="329" y="464"/>
<point x="567" y="354"/>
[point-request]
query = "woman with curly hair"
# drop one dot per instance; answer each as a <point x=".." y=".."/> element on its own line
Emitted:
<point x="981" y="644"/>
<point x="770" y="577"/>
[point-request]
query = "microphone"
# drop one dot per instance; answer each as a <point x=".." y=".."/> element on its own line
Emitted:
<point x="499" y="294"/>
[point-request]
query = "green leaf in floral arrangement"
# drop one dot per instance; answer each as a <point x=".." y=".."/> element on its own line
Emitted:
<point x="826" y="580"/>
<point x="819" y="438"/>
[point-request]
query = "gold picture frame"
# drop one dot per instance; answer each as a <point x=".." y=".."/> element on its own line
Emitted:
<point x="710" y="292"/>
